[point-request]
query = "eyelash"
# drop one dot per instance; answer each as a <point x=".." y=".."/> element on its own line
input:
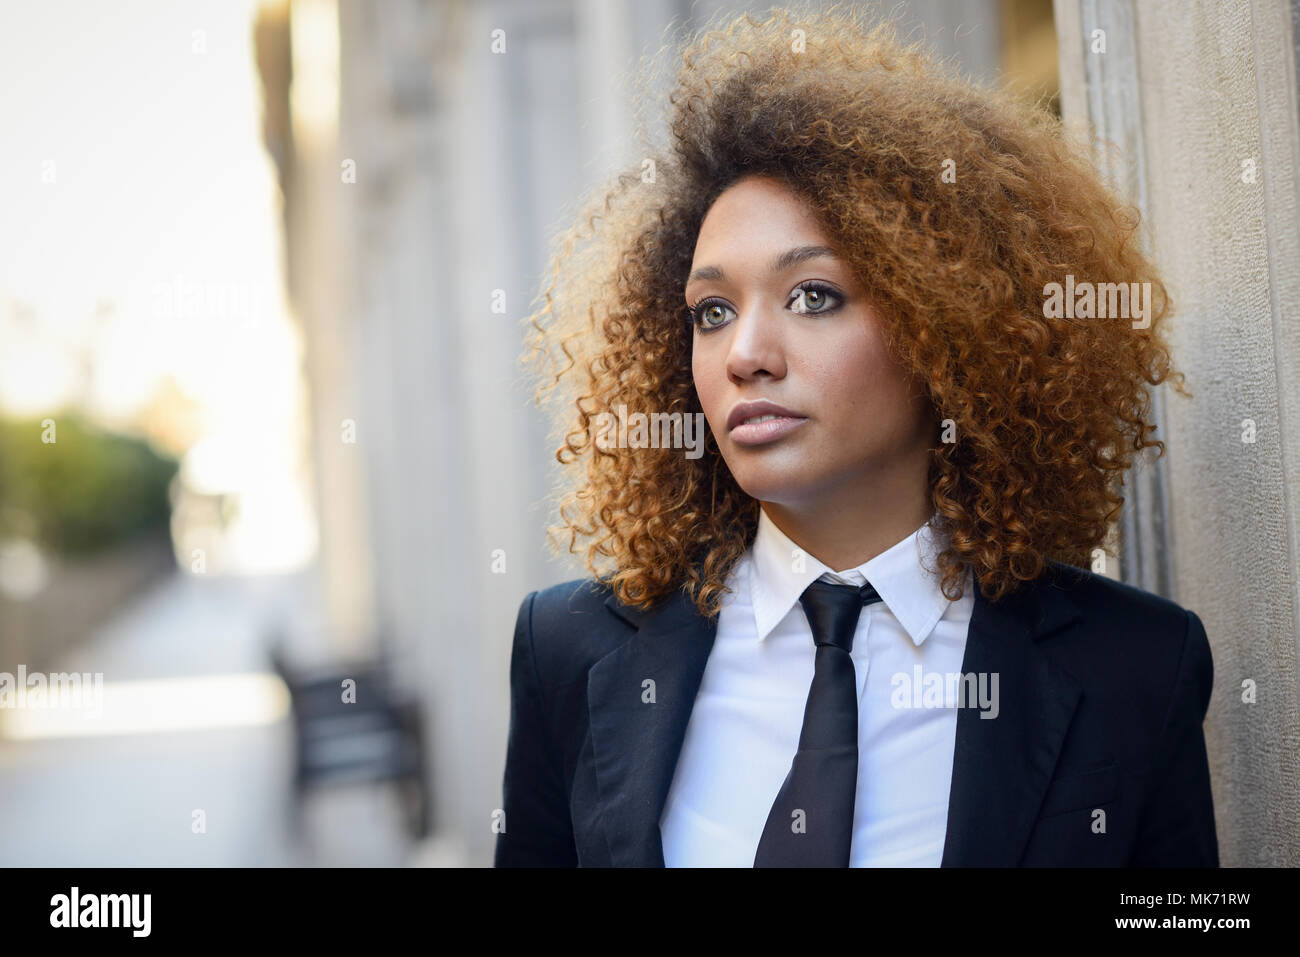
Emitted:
<point x="693" y="311"/>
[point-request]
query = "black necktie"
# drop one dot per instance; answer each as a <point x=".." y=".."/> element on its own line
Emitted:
<point x="811" y="821"/>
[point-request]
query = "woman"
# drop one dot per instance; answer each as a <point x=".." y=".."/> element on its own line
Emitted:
<point x="852" y="631"/>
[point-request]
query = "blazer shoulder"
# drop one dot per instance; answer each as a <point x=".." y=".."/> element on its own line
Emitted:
<point x="1098" y="596"/>
<point x="580" y="596"/>
<point x="570" y="628"/>
<point x="1152" y="634"/>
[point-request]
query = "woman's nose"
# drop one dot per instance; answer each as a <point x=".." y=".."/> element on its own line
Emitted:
<point x="757" y="344"/>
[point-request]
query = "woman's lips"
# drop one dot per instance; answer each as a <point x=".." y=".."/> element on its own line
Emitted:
<point x="761" y="433"/>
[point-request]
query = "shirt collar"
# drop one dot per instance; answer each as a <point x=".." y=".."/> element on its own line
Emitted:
<point x="910" y="591"/>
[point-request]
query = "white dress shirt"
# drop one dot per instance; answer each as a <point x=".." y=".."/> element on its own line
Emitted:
<point x="744" y="727"/>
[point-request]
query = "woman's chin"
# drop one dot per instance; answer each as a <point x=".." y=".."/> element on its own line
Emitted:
<point x="774" y="484"/>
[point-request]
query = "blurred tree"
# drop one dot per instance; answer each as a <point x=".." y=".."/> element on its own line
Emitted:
<point x="86" y="491"/>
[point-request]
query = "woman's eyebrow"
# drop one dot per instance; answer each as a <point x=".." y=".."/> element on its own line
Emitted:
<point x="791" y="257"/>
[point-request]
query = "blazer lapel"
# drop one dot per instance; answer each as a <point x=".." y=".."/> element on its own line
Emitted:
<point x="1002" y="765"/>
<point x="639" y="699"/>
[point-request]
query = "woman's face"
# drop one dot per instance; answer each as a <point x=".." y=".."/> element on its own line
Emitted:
<point x="780" y="321"/>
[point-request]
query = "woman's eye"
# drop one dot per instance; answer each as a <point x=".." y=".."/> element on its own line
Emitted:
<point x="810" y="299"/>
<point x="704" y="314"/>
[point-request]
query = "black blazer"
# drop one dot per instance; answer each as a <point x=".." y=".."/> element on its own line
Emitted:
<point x="1102" y="692"/>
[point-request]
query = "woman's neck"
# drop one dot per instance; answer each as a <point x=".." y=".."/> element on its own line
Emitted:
<point x="848" y="529"/>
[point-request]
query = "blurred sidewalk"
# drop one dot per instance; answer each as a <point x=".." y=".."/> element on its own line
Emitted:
<point x="129" y="799"/>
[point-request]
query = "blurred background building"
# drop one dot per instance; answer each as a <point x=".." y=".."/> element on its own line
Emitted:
<point x="269" y="290"/>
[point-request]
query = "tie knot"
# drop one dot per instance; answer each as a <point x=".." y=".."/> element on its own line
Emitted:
<point x="833" y="611"/>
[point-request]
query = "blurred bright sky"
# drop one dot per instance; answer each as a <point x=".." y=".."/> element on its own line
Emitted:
<point x="150" y="113"/>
